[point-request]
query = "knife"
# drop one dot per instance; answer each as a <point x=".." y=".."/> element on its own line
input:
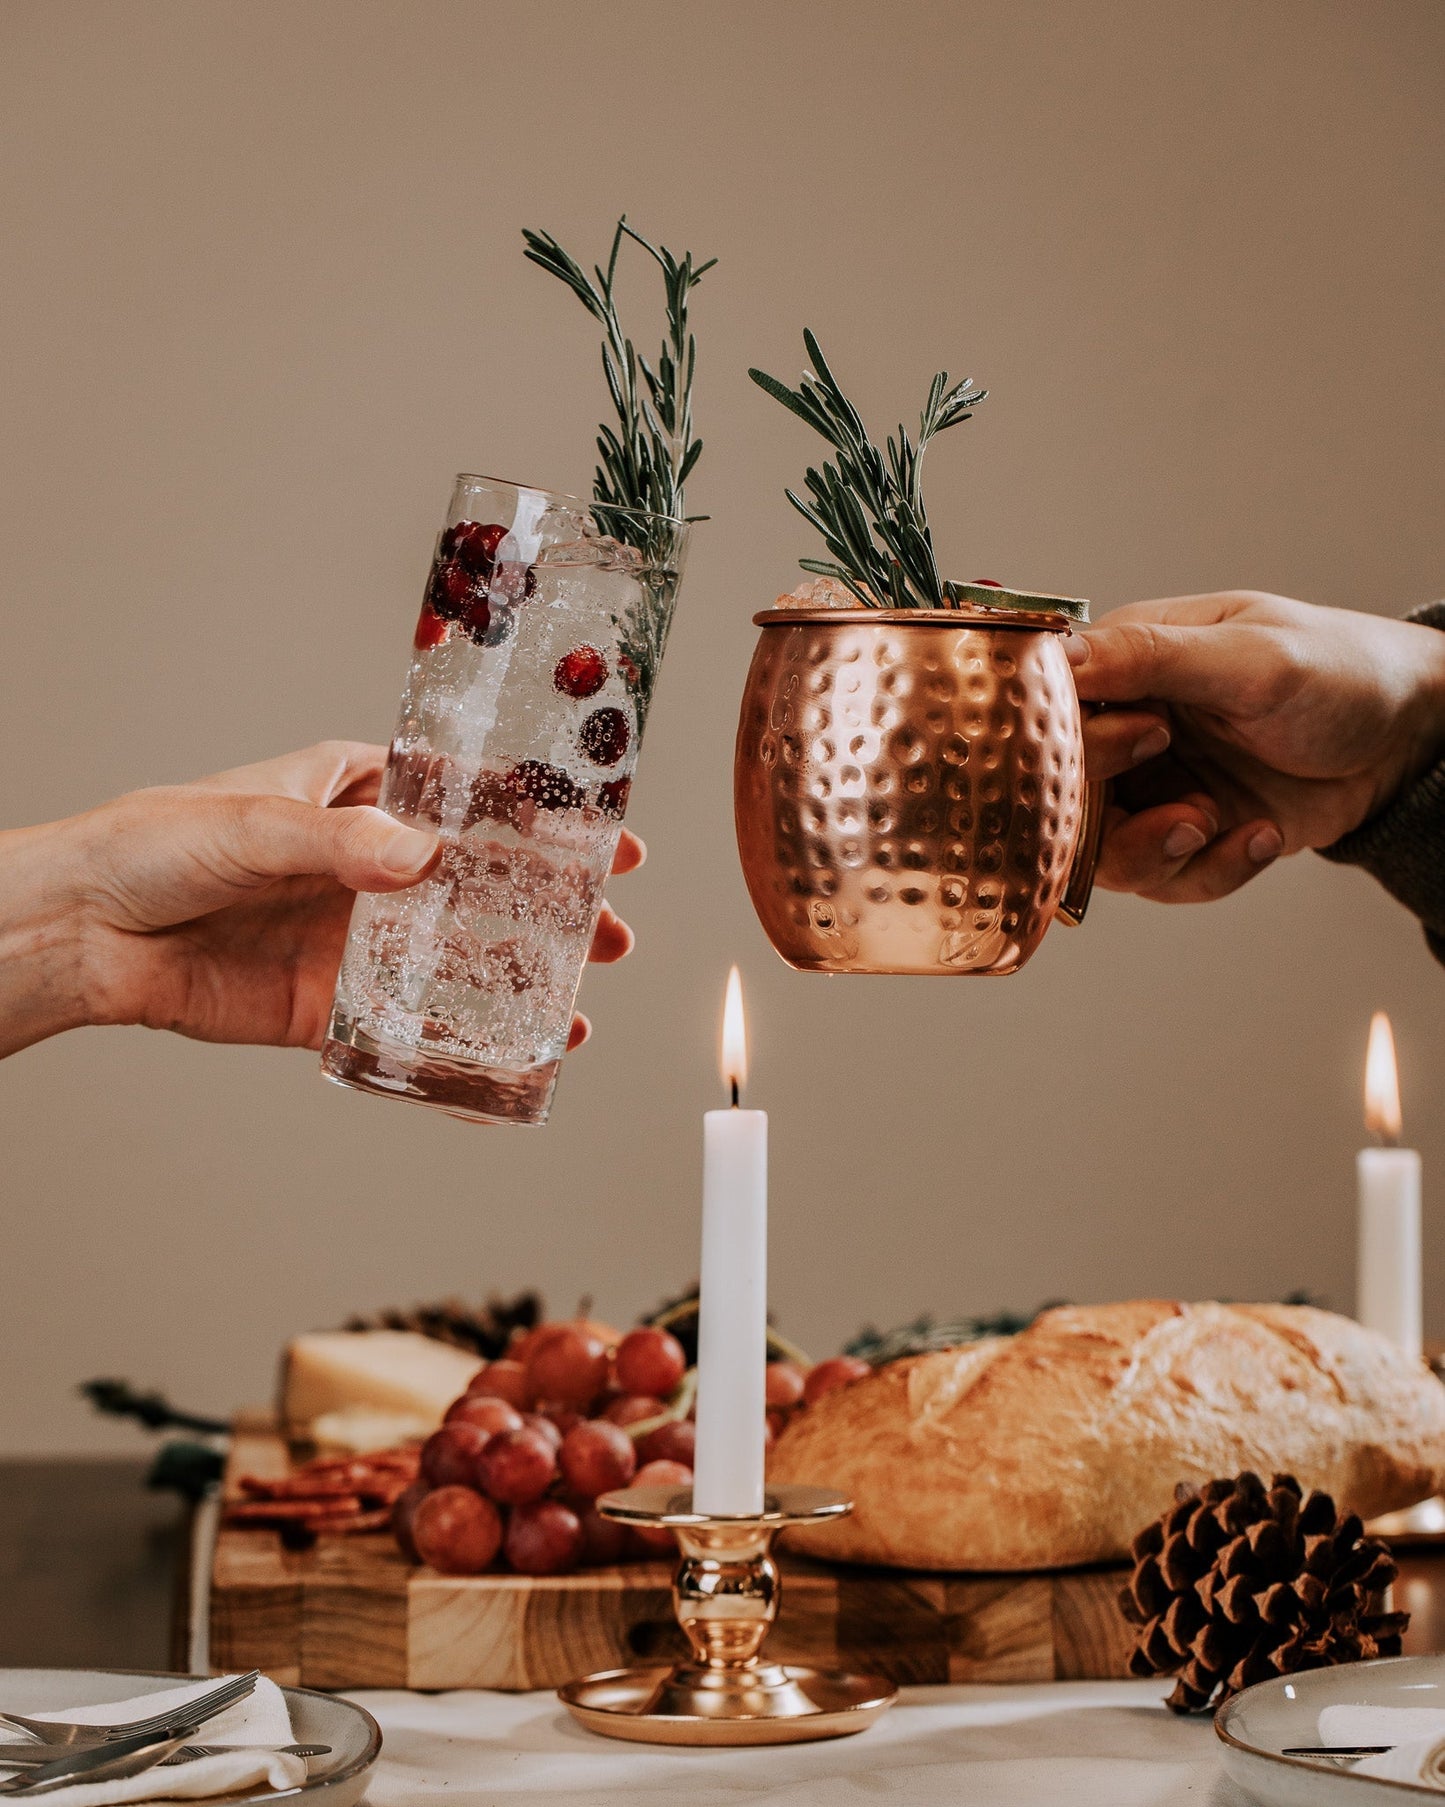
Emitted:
<point x="99" y="1762"/>
<point x="28" y="1756"/>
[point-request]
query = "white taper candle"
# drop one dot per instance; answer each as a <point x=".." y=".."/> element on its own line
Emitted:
<point x="733" y="1304"/>
<point x="1388" y="1268"/>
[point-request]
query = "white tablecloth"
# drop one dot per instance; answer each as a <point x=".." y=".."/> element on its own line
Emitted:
<point x="1064" y="1744"/>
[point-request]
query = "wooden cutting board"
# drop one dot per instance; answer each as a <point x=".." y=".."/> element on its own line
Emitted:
<point x="353" y="1613"/>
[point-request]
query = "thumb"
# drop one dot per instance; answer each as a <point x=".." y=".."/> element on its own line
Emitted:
<point x="1130" y="661"/>
<point x="265" y="838"/>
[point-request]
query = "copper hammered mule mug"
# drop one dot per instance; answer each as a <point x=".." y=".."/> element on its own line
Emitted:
<point x="909" y="786"/>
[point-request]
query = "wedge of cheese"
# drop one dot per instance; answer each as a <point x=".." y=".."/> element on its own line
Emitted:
<point x="392" y="1371"/>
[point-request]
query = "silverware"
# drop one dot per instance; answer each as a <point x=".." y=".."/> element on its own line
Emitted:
<point x="1336" y="1750"/>
<point x="28" y="1756"/>
<point x="188" y="1753"/>
<point x="108" y="1762"/>
<point x="191" y="1714"/>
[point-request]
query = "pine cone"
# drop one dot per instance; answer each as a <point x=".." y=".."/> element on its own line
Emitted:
<point x="1236" y="1583"/>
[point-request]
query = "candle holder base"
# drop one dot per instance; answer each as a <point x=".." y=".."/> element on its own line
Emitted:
<point x="725" y="1594"/>
<point x="1413" y="1527"/>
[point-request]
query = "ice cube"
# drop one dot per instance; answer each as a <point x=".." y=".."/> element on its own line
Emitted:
<point x="819" y="593"/>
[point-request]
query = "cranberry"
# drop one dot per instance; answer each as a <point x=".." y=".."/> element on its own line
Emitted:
<point x="452" y="590"/>
<point x="629" y="671"/>
<point x="476" y="618"/>
<point x="582" y="672"/>
<point x="547" y="785"/>
<point x="475" y="545"/>
<point x="605" y="736"/>
<point x="613" y="795"/>
<point x="987" y="583"/>
<point x="431" y="630"/>
<point x="494" y="798"/>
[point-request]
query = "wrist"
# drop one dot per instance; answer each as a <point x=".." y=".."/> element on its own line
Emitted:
<point x="1421" y="720"/>
<point x="42" y="940"/>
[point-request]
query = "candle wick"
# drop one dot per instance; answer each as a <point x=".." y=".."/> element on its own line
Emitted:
<point x="736" y="1093"/>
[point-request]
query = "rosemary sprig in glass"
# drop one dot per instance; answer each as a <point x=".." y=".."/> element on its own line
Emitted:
<point x="647" y="457"/>
<point x="868" y="506"/>
<point x="644" y="461"/>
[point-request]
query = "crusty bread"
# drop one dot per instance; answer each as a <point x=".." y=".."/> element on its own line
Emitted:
<point x="1052" y="1448"/>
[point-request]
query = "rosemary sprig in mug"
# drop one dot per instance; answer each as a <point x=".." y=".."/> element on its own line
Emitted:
<point x="868" y="507"/>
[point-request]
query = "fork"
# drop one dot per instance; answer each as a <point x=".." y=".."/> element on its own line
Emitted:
<point x="191" y="1713"/>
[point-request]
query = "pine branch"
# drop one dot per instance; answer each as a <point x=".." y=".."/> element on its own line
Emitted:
<point x="868" y="507"/>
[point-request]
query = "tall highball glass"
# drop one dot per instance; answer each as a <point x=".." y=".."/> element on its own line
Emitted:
<point x="533" y="665"/>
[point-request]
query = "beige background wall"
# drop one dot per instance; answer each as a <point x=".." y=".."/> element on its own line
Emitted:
<point x="261" y="294"/>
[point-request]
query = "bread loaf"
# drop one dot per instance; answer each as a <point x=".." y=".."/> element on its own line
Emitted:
<point x="1053" y="1447"/>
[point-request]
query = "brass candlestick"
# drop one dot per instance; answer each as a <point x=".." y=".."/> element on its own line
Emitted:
<point x="725" y="1594"/>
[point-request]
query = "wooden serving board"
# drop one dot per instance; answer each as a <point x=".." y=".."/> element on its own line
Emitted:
<point x="353" y="1613"/>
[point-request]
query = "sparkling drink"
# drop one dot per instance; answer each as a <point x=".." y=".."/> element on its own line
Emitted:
<point x="533" y="666"/>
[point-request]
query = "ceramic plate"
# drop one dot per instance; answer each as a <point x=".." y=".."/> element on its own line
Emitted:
<point x="337" y="1781"/>
<point x="1256" y="1726"/>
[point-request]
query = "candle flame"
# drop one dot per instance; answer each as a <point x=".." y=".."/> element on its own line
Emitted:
<point x="734" y="1037"/>
<point x="1382" y="1082"/>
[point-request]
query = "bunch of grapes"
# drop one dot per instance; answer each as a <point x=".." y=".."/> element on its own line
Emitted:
<point x="569" y="1413"/>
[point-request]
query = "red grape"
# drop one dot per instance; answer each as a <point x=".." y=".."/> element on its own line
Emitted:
<point x="674" y="1442"/>
<point x="663" y="1473"/>
<point x="837" y="1371"/>
<point x="603" y="1539"/>
<point x="503" y="1380"/>
<point x="596" y="1457"/>
<point x="632" y="1408"/>
<point x="449" y="1455"/>
<point x="516" y="1466"/>
<point x="569" y="1368"/>
<point x="671" y="1475"/>
<point x="544" y="1427"/>
<point x="488" y="1414"/>
<point x="562" y="1418"/>
<point x="650" y="1361"/>
<point x="544" y="1537"/>
<point x="403" y="1510"/>
<point x="457" y="1531"/>
<point x="783" y="1385"/>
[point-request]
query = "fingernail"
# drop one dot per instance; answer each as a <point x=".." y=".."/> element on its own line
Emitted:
<point x="406" y="850"/>
<point x="1076" y="650"/>
<point x="1182" y="840"/>
<point x="1266" y="845"/>
<point x="1150" y="744"/>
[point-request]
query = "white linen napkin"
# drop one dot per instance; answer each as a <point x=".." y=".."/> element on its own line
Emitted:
<point x="261" y="1719"/>
<point x="1417" y="1733"/>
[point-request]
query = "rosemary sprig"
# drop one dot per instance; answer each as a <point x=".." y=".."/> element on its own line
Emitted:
<point x="646" y="458"/>
<point x="868" y="507"/>
<point x="644" y="461"/>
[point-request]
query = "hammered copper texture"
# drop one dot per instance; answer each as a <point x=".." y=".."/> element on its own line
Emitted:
<point x="908" y="792"/>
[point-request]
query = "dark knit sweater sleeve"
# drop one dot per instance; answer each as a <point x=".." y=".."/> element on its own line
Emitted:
<point x="1404" y="846"/>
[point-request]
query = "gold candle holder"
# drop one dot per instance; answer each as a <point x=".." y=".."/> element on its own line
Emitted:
<point x="725" y="1593"/>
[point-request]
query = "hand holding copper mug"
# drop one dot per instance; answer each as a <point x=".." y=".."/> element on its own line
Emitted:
<point x="1240" y="726"/>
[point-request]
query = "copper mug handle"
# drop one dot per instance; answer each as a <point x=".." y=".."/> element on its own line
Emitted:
<point x="1080" y="887"/>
